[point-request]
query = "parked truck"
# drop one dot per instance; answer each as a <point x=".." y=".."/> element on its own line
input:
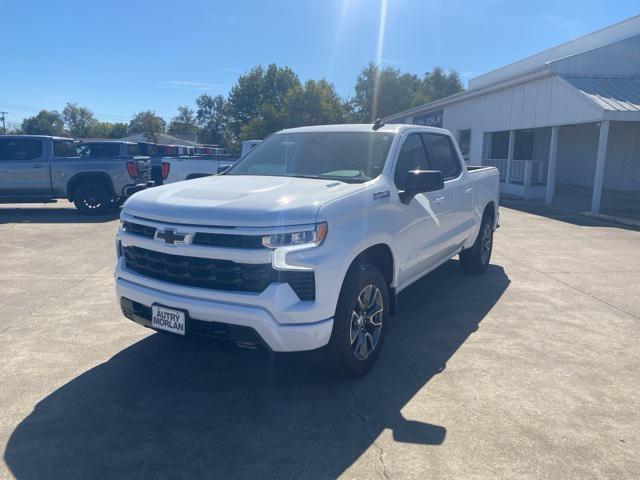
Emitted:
<point x="306" y="241"/>
<point x="177" y="169"/>
<point x="95" y="176"/>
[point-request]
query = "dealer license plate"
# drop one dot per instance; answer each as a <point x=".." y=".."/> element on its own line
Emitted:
<point x="168" y="319"/>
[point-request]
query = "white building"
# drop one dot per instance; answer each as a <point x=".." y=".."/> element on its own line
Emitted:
<point x="566" y="120"/>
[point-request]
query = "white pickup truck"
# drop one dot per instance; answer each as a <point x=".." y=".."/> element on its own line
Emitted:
<point x="307" y="240"/>
<point x="177" y="169"/>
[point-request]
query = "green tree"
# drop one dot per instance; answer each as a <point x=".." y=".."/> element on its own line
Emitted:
<point x="79" y="121"/>
<point x="109" y="130"/>
<point x="383" y="91"/>
<point x="212" y="119"/>
<point x="262" y="102"/>
<point x="184" y="123"/>
<point x="318" y="103"/>
<point x="44" y="123"/>
<point x="439" y="84"/>
<point x="147" y="123"/>
<point x="119" y="130"/>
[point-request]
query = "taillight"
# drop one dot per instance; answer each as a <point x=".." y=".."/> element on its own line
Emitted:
<point x="132" y="168"/>
<point x="166" y="166"/>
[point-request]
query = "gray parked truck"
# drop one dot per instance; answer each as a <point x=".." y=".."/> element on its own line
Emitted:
<point x="95" y="176"/>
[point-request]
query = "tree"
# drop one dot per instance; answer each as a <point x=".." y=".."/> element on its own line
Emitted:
<point x="79" y="121"/>
<point x="184" y="123"/>
<point x="44" y="123"/>
<point x="320" y="104"/>
<point x="212" y="119"/>
<point x="109" y="130"/>
<point x="384" y="91"/>
<point x="147" y="123"/>
<point x="439" y="84"/>
<point x="261" y="102"/>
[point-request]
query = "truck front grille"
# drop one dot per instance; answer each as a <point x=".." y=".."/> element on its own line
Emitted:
<point x="216" y="274"/>
<point x="223" y="240"/>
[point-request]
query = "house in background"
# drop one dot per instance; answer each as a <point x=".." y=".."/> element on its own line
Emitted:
<point x="564" y="123"/>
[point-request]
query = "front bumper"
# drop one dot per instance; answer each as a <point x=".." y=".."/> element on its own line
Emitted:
<point x="136" y="300"/>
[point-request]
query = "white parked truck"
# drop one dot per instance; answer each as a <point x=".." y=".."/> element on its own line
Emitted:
<point x="306" y="241"/>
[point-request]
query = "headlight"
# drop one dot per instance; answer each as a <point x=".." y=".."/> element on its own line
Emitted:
<point x="313" y="236"/>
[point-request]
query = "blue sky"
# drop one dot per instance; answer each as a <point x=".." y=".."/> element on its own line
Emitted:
<point x="120" y="57"/>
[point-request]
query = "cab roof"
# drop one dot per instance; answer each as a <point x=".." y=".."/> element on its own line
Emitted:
<point x="363" y="127"/>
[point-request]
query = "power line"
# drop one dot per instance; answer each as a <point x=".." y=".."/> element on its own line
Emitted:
<point x="29" y="109"/>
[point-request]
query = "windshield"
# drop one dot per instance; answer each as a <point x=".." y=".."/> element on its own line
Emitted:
<point x="353" y="157"/>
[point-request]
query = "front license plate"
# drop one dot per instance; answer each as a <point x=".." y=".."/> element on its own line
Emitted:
<point x="168" y="319"/>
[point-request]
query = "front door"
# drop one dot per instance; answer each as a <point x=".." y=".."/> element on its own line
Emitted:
<point x="419" y="225"/>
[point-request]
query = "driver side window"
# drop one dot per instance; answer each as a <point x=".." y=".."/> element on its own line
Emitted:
<point x="412" y="156"/>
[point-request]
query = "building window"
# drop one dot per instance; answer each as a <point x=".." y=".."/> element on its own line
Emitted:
<point x="499" y="145"/>
<point x="464" y="142"/>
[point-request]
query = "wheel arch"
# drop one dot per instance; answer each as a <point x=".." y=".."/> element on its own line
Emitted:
<point x="490" y="210"/>
<point x="380" y="256"/>
<point x="79" y="178"/>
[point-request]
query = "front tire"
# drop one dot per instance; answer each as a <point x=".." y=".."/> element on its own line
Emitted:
<point x="360" y="321"/>
<point x="476" y="259"/>
<point x="92" y="198"/>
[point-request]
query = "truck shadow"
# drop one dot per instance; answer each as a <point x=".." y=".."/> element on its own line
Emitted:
<point x="21" y="214"/>
<point x="169" y="408"/>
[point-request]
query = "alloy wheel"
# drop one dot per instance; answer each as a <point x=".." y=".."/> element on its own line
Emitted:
<point x="366" y="322"/>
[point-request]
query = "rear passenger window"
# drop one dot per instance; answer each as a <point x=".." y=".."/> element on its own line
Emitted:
<point x="20" y="148"/>
<point x="442" y="155"/>
<point x="99" y="150"/>
<point x="412" y="157"/>
<point x="64" y="149"/>
<point x="133" y="150"/>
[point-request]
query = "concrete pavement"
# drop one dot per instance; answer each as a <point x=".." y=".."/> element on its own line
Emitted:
<point x="529" y="371"/>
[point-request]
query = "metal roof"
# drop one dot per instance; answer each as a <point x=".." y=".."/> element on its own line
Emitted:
<point x="621" y="94"/>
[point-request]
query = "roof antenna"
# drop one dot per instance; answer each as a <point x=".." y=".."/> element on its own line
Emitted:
<point x="378" y="124"/>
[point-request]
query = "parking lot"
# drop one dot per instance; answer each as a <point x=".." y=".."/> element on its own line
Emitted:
<point x="530" y="371"/>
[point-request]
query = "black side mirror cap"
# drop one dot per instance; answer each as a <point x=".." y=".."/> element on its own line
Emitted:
<point x="421" y="181"/>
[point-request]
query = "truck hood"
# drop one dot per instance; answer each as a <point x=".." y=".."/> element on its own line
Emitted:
<point x="238" y="200"/>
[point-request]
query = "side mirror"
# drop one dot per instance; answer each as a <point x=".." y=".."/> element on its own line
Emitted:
<point x="421" y="181"/>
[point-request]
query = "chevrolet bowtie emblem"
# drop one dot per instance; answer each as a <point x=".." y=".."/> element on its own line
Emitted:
<point x="171" y="236"/>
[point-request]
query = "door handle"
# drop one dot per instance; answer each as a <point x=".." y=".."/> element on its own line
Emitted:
<point x="37" y="165"/>
<point x="468" y="190"/>
<point x="440" y="200"/>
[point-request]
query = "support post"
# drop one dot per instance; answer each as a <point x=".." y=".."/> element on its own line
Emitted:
<point x="601" y="161"/>
<point x="512" y="142"/>
<point x="553" y="160"/>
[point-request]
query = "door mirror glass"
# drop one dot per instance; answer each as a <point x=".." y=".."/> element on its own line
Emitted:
<point x="421" y="181"/>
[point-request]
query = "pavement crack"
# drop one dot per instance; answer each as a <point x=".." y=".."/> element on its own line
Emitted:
<point x="363" y="420"/>
<point x="584" y="292"/>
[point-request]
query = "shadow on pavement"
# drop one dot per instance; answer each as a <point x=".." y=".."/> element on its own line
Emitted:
<point x="52" y="215"/>
<point x="167" y="407"/>
<point x="561" y="212"/>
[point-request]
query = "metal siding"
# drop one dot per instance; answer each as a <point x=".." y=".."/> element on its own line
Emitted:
<point x="613" y="94"/>
<point x="540" y="103"/>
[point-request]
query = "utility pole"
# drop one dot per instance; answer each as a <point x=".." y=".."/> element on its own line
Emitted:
<point x="4" y="128"/>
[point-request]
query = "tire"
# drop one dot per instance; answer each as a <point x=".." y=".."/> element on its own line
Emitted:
<point x="476" y="259"/>
<point x="356" y="340"/>
<point x="92" y="198"/>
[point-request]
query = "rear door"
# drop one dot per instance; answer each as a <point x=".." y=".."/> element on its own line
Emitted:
<point x="24" y="167"/>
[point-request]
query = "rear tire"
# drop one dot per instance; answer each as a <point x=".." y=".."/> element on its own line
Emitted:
<point x="92" y="198"/>
<point x="360" y="321"/>
<point x="476" y="259"/>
